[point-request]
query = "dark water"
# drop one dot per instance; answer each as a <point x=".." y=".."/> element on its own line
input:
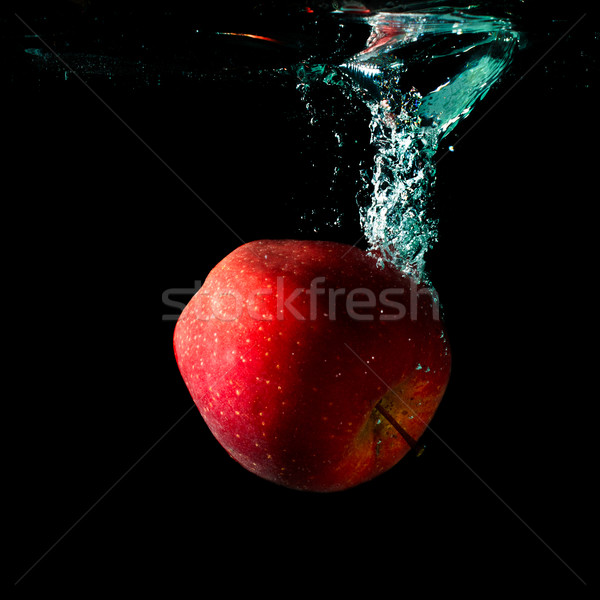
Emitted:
<point x="159" y="145"/>
<point x="305" y="96"/>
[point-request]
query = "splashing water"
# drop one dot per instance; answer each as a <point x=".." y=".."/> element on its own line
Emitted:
<point x="419" y="75"/>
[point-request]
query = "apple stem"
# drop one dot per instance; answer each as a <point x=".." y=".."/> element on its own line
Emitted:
<point x="405" y="435"/>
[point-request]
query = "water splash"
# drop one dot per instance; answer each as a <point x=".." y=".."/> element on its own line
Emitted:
<point x="414" y="75"/>
<point x="419" y="75"/>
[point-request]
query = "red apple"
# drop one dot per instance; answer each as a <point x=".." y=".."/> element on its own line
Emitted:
<point x="293" y="352"/>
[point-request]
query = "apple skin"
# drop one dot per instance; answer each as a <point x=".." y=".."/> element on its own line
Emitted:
<point x="287" y="380"/>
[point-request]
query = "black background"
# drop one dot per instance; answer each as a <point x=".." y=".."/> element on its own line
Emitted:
<point x="120" y="486"/>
